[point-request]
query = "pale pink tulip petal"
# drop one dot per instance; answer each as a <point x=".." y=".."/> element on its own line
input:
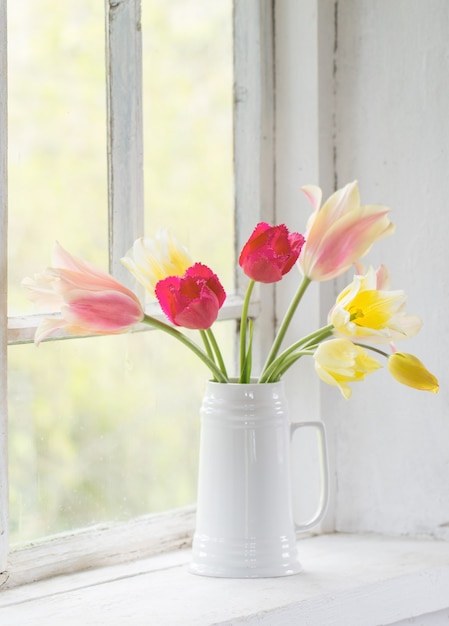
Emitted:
<point x="340" y="233"/>
<point x="404" y="326"/>
<point x="40" y="290"/>
<point x="102" y="312"/>
<point x="314" y="195"/>
<point x="47" y="327"/>
<point x="63" y="260"/>
<point x="66" y="280"/>
<point x="345" y="241"/>
<point x="382" y="278"/>
<point x="90" y="301"/>
<point x="339" y="203"/>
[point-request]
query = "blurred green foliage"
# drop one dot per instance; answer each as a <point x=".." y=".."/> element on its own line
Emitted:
<point x="106" y="428"/>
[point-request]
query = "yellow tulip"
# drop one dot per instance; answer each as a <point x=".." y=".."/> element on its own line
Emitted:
<point x="408" y="370"/>
<point x="339" y="362"/>
<point x="365" y="309"/>
<point x="152" y="260"/>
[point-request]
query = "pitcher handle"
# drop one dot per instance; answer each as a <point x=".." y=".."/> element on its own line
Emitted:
<point x="324" y="495"/>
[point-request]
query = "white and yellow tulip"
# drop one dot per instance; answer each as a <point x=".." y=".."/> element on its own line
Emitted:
<point x="153" y="259"/>
<point x="339" y="362"/>
<point x="366" y="310"/>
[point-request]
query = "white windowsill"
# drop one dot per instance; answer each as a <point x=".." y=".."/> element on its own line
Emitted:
<point x="348" y="580"/>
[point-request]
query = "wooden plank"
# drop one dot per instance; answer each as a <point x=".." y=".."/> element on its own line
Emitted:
<point x="393" y="470"/>
<point x="3" y="292"/>
<point x="101" y="546"/>
<point x="125" y="136"/>
<point x="347" y="580"/>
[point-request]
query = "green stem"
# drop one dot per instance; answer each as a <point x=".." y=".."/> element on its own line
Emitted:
<point x="286" y="321"/>
<point x="207" y="345"/>
<point x="362" y="345"/>
<point x="286" y="364"/>
<point x="176" y="334"/>
<point x="318" y="336"/>
<point x="313" y="338"/>
<point x="213" y="342"/>
<point x="244" y="325"/>
<point x="245" y="373"/>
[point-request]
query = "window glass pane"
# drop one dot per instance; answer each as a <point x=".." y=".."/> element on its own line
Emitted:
<point x="187" y="95"/>
<point x="106" y="428"/>
<point x="103" y="429"/>
<point x="57" y="122"/>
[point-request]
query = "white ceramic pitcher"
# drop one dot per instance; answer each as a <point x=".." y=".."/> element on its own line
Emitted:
<point x="245" y="526"/>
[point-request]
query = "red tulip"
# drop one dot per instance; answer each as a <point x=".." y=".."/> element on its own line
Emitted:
<point x="270" y="252"/>
<point x="192" y="300"/>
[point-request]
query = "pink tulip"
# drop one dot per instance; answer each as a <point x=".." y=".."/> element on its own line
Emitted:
<point x="192" y="300"/>
<point x="270" y="252"/>
<point x="90" y="300"/>
<point x="340" y="232"/>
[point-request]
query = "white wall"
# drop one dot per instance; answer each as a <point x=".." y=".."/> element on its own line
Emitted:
<point x="382" y="97"/>
<point x="392" y="133"/>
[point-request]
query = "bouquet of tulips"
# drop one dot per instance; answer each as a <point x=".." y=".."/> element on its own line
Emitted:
<point x="367" y="313"/>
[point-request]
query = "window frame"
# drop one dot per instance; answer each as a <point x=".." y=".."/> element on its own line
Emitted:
<point x="254" y="172"/>
<point x="3" y="294"/>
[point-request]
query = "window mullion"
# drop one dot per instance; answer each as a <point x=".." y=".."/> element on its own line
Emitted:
<point x="3" y="294"/>
<point x="254" y="137"/>
<point x="125" y="141"/>
<point x="22" y="328"/>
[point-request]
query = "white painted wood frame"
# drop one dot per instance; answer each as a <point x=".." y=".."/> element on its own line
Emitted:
<point x="304" y="57"/>
<point x="348" y="580"/>
<point x="125" y="130"/>
<point x="254" y="140"/>
<point x="3" y="292"/>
